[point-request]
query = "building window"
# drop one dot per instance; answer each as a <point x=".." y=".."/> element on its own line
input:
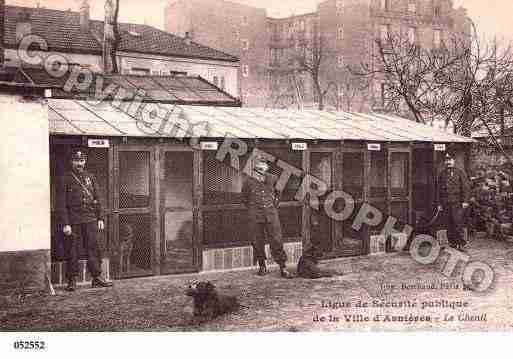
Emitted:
<point x="245" y="20"/>
<point x="437" y="38"/>
<point x="301" y="25"/>
<point x="139" y="71"/>
<point x="245" y="44"/>
<point x="216" y="81"/>
<point x="245" y="70"/>
<point x="412" y="7"/>
<point x="381" y="93"/>
<point x="387" y="60"/>
<point x="339" y="6"/>
<point x="222" y="84"/>
<point x="340" y="61"/>
<point x="291" y="30"/>
<point x="340" y="33"/>
<point x="385" y="4"/>
<point x="385" y="32"/>
<point x="412" y="35"/>
<point x="340" y="91"/>
<point x="437" y="11"/>
<point x="302" y="52"/>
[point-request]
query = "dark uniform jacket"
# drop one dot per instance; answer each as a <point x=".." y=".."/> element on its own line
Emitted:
<point x="78" y="199"/>
<point x="452" y="186"/>
<point x="261" y="198"/>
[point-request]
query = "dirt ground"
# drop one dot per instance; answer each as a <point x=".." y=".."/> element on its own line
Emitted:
<point x="274" y="304"/>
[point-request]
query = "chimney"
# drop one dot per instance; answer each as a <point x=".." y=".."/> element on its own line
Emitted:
<point x="84" y="16"/>
<point x="108" y="38"/>
<point x="2" y="14"/>
<point x="23" y="25"/>
<point x="189" y="36"/>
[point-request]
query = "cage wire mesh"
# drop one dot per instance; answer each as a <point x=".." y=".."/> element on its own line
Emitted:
<point x="134" y="179"/>
<point x="134" y="245"/>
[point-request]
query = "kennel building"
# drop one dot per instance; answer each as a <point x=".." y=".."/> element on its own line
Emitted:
<point x="172" y="208"/>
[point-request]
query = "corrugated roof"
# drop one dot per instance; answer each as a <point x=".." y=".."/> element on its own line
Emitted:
<point x="171" y="89"/>
<point x="72" y="117"/>
<point x="61" y="30"/>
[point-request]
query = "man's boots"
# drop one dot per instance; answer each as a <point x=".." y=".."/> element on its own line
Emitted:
<point x="72" y="285"/>
<point x="99" y="282"/>
<point x="262" y="268"/>
<point x="284" y="272"/>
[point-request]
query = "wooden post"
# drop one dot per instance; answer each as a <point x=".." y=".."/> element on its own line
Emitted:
<point x="157" y="206"/>
<point x="410" y="183"/>
<point x="197" y="212"/>
<point x="389" y="179"/>
<point x="337" y="186"/>
<point x="306" y="235"/>
<point x="366" y="196"/>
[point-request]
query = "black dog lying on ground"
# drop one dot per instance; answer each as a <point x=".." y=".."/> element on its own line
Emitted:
<point x="308" y="267"/>
<point x="209" y="304"/>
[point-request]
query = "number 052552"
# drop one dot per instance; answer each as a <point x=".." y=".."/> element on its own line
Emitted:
<point x="29" y="345"/>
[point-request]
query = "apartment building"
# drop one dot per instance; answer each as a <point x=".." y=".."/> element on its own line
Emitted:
<point x="351" y="27"/>
<point x="290" y="38"/>
<point x="342" y="30"/>
<point x="236" y="29"/>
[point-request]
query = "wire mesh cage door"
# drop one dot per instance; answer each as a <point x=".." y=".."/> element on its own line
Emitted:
<point x="400" y="187"/>
<point x="178" y="214"/>
<point x="322" y="228"/>
<point x="422" y="184"/>
<point x="133" y="212"/>
<point x="352" y="174"/>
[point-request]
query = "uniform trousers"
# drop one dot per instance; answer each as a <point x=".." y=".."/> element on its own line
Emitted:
<point x="266" y="219"/>
<point x="454" y="219"/>
<point x="84" y="238"/>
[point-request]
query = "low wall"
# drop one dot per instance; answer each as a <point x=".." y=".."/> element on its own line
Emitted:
<point x="24" y="271"/>
<point x="242" y="257"/>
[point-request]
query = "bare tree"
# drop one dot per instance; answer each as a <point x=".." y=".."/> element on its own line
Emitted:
<point x="463" y="80"/>
<point x="315" y="59"/>
<point x="350" y="93"/>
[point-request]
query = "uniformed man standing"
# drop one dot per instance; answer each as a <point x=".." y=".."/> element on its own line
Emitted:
<point x="81" y="217"/>
<point x="261" y="199"/>
<point x="452" y="197"/>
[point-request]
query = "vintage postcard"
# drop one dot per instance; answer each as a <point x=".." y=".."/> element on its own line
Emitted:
<point x="252" y="165"/>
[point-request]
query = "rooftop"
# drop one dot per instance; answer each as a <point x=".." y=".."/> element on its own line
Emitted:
<point x="79" y="118"/>
<point x="178" y="89"/>
<point x="61" y="30"/>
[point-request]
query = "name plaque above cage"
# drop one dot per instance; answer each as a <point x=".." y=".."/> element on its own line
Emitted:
<point x="374" y="146"/>
<point x="209" y="145"/>
<point x="439" y="147"/>
<point x="299" y="146"/>
<point x="98" y="143"/>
